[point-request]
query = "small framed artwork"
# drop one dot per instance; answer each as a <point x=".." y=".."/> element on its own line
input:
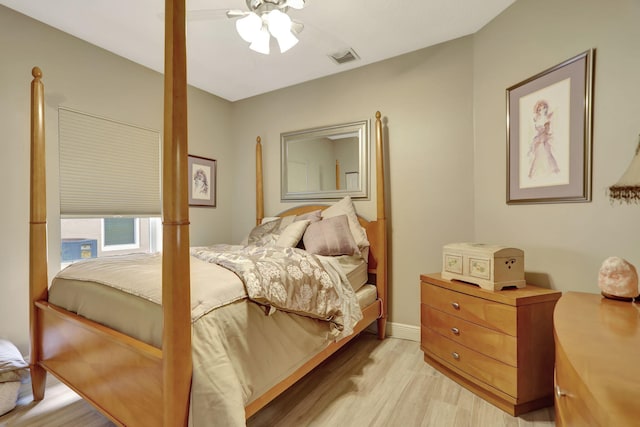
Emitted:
<point x="202" y="181"/>
<point x="549" y="134"/>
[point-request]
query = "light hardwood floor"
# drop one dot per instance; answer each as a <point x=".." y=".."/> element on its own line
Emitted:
<point x="367" y="383"/>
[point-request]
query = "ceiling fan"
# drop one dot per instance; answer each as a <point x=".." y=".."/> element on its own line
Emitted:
<point x="267" y="18"/>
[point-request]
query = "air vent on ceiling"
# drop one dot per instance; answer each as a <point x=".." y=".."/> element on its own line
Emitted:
<point x="344" y="56"/>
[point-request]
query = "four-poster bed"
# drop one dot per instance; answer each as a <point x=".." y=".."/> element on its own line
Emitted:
<point x="125" y="377"/>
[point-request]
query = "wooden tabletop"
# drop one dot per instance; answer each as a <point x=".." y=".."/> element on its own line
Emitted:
<point x="601" y="338"/>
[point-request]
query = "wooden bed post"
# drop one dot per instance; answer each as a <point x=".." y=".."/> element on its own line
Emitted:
<point x="382" y="227"/>
<point x="259" y="184"/>
<point x="38" y="280"/>
<point x="176" y="290"/>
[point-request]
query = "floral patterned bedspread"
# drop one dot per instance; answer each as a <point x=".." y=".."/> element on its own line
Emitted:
<point x="292" y="280"/>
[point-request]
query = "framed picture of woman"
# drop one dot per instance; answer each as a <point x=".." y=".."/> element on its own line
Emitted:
<point x="202" y="185"/>
<point x="549" y="134"/>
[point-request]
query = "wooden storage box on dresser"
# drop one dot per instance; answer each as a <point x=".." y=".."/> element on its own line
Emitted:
<point x="497" y="344"/>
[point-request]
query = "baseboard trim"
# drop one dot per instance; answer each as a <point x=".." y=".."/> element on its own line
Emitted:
<point x="400" y="331"/>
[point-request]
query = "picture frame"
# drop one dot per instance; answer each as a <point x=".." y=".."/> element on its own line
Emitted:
<point x="202" y="181"/>
<point x="549" y="138"/>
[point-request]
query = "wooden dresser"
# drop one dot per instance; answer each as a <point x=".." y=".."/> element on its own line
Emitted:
<point x="498" y="344"/>
<point x="597" y="361"/>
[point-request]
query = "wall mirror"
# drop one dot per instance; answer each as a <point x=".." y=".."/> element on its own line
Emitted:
<point x="328" y="162"/>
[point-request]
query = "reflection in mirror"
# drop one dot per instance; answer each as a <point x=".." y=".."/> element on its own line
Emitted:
<point x="325" y="163"/>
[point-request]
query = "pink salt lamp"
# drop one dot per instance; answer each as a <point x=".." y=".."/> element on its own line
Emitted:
<point x="618" y="279"/>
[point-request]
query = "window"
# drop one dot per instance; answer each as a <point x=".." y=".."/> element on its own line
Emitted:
<point x="109" y="187"/>
<point x="120" y="233"/>
<point x="83" y="238"/>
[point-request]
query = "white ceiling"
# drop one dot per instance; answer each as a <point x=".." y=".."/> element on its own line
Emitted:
<point x="221" y="63"/>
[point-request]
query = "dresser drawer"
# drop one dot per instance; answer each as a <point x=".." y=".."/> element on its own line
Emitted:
<point x="491" y="314"/>
<point x="489" y="371"/>
<point x="487" y="341"/>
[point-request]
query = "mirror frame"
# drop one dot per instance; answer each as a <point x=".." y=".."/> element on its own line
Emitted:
<point x="362" y="129"/>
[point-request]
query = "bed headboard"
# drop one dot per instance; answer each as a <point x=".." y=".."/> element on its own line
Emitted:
<point x="376" y="229"/>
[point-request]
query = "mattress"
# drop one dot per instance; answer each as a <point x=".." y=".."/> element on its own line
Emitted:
<point x="141" y="318"/>
<point x="355" y="268"/>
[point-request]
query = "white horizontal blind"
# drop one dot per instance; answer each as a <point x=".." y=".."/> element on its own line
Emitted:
<point x="107" y="167"/>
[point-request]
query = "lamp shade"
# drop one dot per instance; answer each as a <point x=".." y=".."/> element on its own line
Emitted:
<point x="260" y="42"/>
<point x="286" y="41"/>
<point x="279" y="23"/>
<point x="627" y="189"/>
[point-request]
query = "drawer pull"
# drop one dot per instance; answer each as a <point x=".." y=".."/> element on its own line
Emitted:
<point x="455" y="331"/>
<point x="560" y="393"/>
<point x="455" y="355"/>
<point x="455" y="305"/>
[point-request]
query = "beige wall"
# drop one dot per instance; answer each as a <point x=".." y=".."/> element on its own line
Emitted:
<point x="564" y="244"/>
<point x="426" y="102"/>
<point x="80" y="76"/>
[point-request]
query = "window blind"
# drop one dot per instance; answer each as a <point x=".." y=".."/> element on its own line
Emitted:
<point x="107" y="167"/>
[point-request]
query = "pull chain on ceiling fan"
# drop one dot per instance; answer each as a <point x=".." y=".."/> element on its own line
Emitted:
<point x="268" y="18"/>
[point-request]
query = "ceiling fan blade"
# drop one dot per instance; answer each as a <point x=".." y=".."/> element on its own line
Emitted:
<point x="234" y="13"/>
<point x="205" y="14"/>
<point x="295" y="4"/>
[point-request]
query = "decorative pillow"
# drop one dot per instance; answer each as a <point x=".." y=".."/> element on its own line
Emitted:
<point x="313" y="216"/>
<point x="269" y="219"/>
<point x="330" y="237"/>
<point x="272" y="229"/>
<point x="286" y="221"/>
<point x="265" y="234"/>
<point x="292" y="234"/>
<point x="345" y="207"/>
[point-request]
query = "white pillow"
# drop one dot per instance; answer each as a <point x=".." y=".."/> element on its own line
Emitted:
<point x="9" y="392"/>
<point x="13" y="367"/>
<point x="345" y="207"/>
<point x="292" y="234"/>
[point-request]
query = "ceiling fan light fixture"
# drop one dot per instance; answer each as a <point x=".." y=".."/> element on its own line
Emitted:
<point x="268" y="18"/>
<point x="249" y="27"/>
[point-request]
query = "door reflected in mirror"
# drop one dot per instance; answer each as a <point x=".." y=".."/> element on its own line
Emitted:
<point x="330" y="162"/>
